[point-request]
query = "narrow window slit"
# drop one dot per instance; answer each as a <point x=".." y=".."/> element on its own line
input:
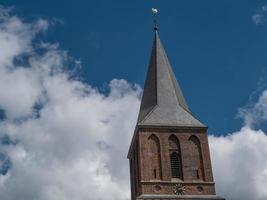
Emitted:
<point x="175" y="165"/>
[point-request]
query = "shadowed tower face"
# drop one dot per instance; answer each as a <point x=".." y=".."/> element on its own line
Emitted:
<point x="169" y="154"/>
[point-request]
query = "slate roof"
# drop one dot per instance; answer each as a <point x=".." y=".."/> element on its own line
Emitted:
<point x="163" y="103"/>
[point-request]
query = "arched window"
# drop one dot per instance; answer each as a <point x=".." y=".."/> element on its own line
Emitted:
<point x="197" y="170"/>
<point x="154" y="157"/>
<point x="175" y="157"/>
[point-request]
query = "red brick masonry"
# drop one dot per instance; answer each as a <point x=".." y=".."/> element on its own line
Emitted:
<point x="182" y="197"/>
<point x="150" y="162"/>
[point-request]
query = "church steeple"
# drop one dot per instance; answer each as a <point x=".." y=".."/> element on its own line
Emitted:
<point x="169" y="153"/>
<point x="163" y="103"/>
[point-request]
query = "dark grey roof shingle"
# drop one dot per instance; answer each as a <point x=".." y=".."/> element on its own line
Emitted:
<point x="163" y="103"/>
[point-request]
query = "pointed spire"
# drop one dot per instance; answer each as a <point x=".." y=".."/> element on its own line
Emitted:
<point x="163" y="103"/>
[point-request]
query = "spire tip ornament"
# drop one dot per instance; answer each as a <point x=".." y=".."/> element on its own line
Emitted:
<point x="154" y="13"/>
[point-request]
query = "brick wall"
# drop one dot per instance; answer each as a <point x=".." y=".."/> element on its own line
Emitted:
<point x="153" y="161"/>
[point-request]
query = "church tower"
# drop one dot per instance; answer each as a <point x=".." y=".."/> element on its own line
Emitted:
<point x="169" y="154"/>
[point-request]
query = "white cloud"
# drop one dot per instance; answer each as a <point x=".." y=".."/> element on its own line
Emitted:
<point x="68" y="147"/>
<point x="71" y="140"/>
<point x="257" y="113"/>
<point x="240" y="158"/>
<point x="260" y="15"/>
<point x="240" y="164"/>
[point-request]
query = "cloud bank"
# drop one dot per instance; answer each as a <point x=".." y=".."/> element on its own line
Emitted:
<point x="62" y="139"/>
<point x="240" y="164"/>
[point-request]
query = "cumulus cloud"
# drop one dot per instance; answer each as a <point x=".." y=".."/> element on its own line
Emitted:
<point x="59" y="135"/>
<point x="239" y="158"/>
<point x="240" y="164"/>
<point x="62" y="139"/>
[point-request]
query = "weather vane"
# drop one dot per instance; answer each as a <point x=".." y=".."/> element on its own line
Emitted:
<point x="155" y="13"/>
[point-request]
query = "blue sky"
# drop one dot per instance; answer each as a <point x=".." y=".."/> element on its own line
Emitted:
<point x="218" y="53"/>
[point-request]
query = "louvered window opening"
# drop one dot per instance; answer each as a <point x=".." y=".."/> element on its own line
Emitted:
<point x="175" y="165"/>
